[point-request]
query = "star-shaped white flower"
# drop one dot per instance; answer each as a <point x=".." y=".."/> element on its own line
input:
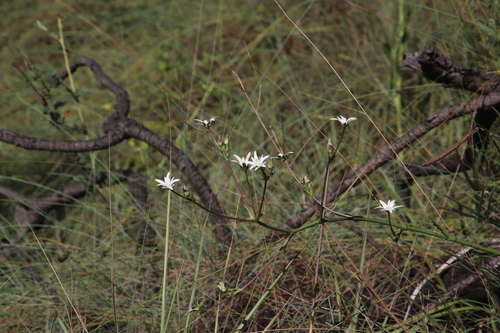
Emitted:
<point x="167" y="183"/>
<point x="282" y="157"/>
<point x="244" y="162"/>
<point x="389" y="206"/>
<point x="343" y="120"/>
<point x="206" y="123"/>
<point x="258" y="162"/>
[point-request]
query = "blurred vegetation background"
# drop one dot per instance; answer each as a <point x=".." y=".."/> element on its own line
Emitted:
<point x="176" y="60"/>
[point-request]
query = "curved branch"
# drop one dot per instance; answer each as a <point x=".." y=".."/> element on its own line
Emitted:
<point x="118" y="128"/>
<point x="122" y="106"/>
<point x="31" y="143"/>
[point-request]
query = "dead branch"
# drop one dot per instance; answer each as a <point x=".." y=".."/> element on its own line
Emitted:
<point x="118" y="128"/>
<point x="434" y="66"/>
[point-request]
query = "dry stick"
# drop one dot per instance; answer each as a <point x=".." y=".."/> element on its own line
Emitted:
<point x="452" y="148"/>
<point x="30" y="212"/>
<point x="440" y="269"/>
<point x="385" y="154"/>
<point x="457" y="288"/>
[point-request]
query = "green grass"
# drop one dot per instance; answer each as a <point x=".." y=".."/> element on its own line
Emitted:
<point x="177" y="61"/>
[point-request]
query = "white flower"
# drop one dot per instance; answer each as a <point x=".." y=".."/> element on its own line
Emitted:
<point x="258" y="162"/>
<point x="205" y="123"/>
<point x="343" y="120"/>
<point x="283" y="157"/>
<point x="167" y="183"/>
<point x="244" y="162"/>
<point x="389" y="206"/>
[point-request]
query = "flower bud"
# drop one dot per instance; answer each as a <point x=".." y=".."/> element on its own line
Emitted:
<point x="188" y="195"/>
<point x="306" y="184"/>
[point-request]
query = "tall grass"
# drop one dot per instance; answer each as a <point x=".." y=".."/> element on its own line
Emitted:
<point x="177" y="61"/>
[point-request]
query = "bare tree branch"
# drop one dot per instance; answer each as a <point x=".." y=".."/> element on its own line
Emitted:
<point x="117" y="128"/>
<point x="434" y="66"/>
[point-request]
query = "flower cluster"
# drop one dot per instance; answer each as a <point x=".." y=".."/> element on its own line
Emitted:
<point x="251" y="162"/>
<point x="255" y="162"/>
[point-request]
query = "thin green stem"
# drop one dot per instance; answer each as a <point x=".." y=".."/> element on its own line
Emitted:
<point x="163" y="323"/>
<point x="403" y="228"/>
<point x="393" y="232"/>
<point x="112" y="241"/>
<point x="325" y="191"/>
<point x="224" y="153"/>
<point x="252" y="196"/>
<point x="330" y="158"/>
<point x="389" y="223"/>
<point x="239" y="189"/>
<point x="261" y="205"/>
